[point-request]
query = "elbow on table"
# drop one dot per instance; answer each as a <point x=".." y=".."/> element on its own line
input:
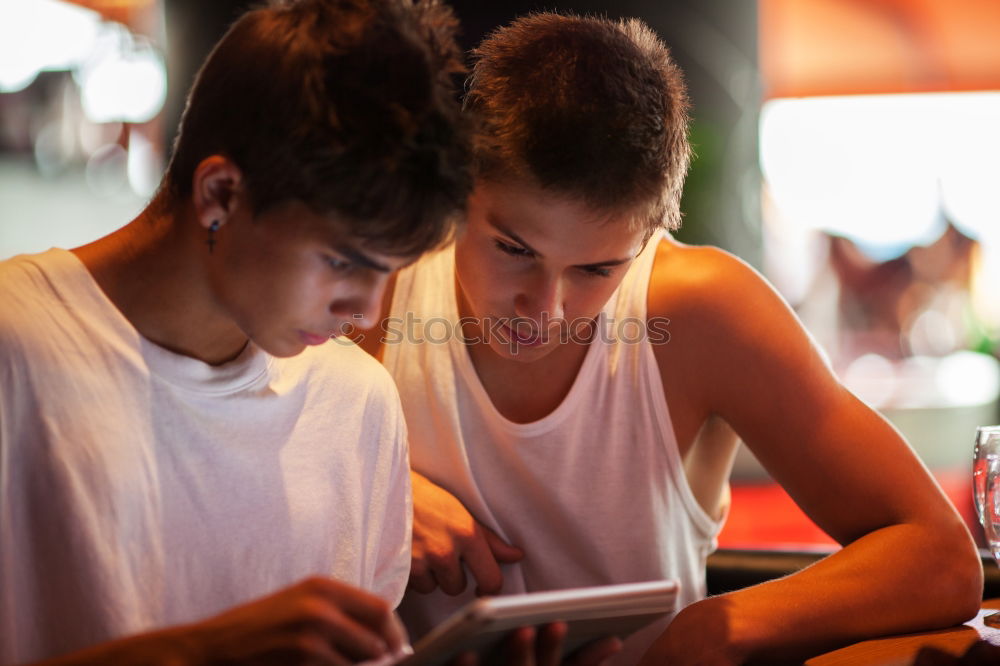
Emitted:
<point x="960" y="590"/>
<point x="972" y="587"/>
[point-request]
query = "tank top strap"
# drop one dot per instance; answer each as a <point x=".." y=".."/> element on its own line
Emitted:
<point x="629" y="300"/>
<point x="423" y="293"/>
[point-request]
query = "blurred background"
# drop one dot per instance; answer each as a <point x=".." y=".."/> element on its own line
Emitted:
<point x="849" y="149"/>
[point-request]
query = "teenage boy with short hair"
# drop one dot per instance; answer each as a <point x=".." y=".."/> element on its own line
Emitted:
<point x="175" y="438"/>
<point x="546" y="423"/>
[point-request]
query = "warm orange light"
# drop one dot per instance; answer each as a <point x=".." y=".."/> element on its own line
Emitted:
<point x="122" y="11"/>
<point x="844" y="47"/>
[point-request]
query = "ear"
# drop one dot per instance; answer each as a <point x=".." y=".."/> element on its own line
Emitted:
<point x="217" y="187"/>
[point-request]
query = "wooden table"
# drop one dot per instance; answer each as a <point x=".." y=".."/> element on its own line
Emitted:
<point x="902" y="649"/>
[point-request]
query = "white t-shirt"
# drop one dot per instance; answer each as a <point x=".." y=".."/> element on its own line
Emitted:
<point x="594" y="492"/>
<point x="140" y="488"/>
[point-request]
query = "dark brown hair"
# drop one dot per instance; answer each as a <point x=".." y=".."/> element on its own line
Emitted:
<point x="345" y="105"/>
<point x="583" y="106"/>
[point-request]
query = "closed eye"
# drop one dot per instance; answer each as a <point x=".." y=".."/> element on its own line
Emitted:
<point x="513" y="250"/>
<point x="339" y="264"/>
<point x="595" y="271"/>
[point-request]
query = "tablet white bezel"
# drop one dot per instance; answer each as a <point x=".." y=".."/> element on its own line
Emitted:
<point x="622" y="608"/>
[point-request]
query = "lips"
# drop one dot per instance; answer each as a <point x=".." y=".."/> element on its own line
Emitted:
<point x="530" y="340"/>
<point x="312" y="339"/>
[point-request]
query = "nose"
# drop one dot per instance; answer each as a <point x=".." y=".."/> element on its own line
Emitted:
<point x="364" y="306"/>
<point x="542" y="300"/>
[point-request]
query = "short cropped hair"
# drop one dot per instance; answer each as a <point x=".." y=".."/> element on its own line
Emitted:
<point x="586" y="107"/>
<point x="345" y="105"/>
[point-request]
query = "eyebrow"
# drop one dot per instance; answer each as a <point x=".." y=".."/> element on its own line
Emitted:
<point x="600" y="264"/>
<point x="358" y="257"/>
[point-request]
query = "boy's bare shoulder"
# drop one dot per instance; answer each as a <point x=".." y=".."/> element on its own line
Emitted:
<point x="723" y="314"/>
<point x="701" y="281"/>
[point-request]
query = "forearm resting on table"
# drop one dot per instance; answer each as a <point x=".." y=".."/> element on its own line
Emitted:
<point x="898" y="579"/>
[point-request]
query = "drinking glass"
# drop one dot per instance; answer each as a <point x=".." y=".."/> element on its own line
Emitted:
<point x="986" y="492"/>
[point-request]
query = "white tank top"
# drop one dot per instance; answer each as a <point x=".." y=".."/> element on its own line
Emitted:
<point x="594" y="493"/>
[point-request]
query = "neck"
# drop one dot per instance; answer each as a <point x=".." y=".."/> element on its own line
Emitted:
<point x="153" y="270"/>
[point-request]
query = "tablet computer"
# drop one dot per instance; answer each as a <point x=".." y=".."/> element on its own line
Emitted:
<point x="590" y="613"/>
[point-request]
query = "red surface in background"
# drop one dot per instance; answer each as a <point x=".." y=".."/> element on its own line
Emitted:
<point x="764" y="516"/>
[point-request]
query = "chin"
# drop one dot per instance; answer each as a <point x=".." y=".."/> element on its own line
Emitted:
<point x="280" y="349"/>
<point x="522" y="354"/>
<point x="288" y="354"/>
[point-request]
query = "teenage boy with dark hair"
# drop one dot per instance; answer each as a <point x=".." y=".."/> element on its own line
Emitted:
<point x="604" y="456"/>
<point x="175" y="438"/>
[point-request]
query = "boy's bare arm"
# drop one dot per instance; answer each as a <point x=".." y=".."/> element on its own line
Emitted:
<point x="908" y="562"/>
<point x="447" y="540"/>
